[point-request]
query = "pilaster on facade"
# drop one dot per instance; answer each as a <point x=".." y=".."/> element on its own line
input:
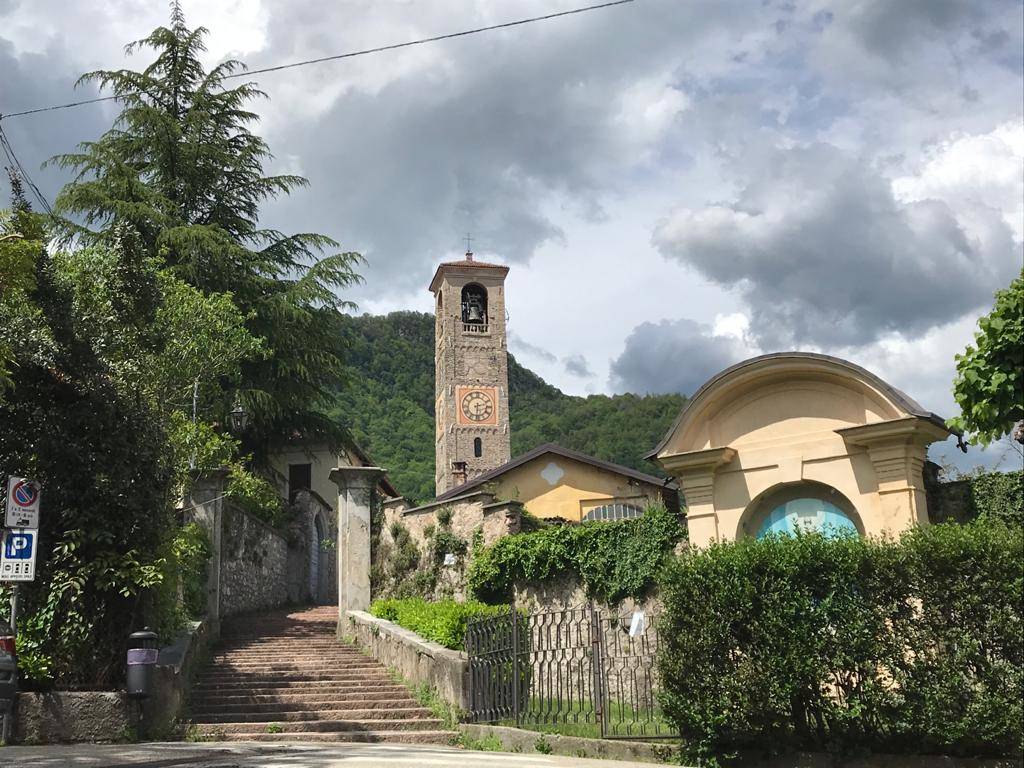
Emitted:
<point x="695" y="472"/>
<point x="897" y="450"/>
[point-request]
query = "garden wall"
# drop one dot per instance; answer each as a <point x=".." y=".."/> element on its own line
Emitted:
<point x="253" y="566"/>
<point x="426" y="534"/>
<point x="417" y="660"/>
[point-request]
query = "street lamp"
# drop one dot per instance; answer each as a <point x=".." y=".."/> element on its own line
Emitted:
<point x="239" y="417"/>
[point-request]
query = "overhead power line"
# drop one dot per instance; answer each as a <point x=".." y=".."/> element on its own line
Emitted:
<point x="349" y="55"/>
<point x="18" y="168"/>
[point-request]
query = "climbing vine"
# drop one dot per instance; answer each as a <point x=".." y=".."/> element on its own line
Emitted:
<point x="612" y="560"/>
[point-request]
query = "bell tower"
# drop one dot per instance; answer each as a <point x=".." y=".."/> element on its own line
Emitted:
<point x="470" y="371"/>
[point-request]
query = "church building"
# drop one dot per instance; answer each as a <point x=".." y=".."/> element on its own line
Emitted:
<point x="473" y="427"/>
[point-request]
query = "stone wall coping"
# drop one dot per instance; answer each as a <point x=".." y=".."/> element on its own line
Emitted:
<point x="317" y="498"/>
<point x="174" y="655"/>
<point x="447" y="502"/>
<point x="407" y="636"/>
<point x="257" y="522"/>
<point x="498" y="506"/>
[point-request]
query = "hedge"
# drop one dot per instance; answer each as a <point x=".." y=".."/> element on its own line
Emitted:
<point x="999" y="494"/>
<point x="443" y="621"/>
<point x="797" y="643"/>
<point x="612" y="560"/>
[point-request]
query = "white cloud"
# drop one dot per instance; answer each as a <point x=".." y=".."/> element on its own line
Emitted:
<point x="974" y="171"/>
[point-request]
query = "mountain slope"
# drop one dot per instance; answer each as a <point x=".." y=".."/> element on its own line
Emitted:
<point x="389" y="406"/>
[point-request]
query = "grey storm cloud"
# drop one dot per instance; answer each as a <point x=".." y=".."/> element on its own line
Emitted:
<point x="577" y="366"/>
<point x="511" y="128"/>
<point x="34" y="80"/>
<point x="672" y="356"/>
<point x="523" y="347"/>
<point x="823" y="253"/>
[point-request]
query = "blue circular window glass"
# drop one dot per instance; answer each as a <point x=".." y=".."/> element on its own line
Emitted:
<point x="808" y="515"/>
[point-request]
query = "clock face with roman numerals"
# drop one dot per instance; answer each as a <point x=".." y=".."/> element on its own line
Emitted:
<point x="477" y="406"/>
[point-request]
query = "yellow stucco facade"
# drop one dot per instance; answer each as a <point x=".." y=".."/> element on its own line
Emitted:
<point x="793" y="425"/>
<point x="552" y="482"/>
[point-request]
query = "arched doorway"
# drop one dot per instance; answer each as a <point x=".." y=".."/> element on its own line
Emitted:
<point x="805" y="506"/>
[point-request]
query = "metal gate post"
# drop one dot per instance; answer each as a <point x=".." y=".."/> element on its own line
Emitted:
<point x="597" y="667"/>
<point x="515" y="663"/>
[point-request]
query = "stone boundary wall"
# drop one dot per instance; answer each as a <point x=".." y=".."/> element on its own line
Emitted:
<point x="253" y="565"/>
<point x="416" y="659"/>
<point x="172" y="678"/>
<point x="472" y="513"/>
<point x="110" y="716"/>
<point x="69" y="716"/>
<point x="525" y="741"/>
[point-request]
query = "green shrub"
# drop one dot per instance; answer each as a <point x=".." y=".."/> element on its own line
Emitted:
<point x="443" y="621"/>
<point x="794" y="643"/>
<point x="613" y="560"/>
<point x="999" y="494"/>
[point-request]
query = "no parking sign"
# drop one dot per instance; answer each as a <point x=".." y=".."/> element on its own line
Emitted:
<point x="22" y="503"/>
<point x="18" y="557"/>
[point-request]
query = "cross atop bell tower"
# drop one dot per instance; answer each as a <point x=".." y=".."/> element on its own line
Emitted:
<point x="470" y="370"/>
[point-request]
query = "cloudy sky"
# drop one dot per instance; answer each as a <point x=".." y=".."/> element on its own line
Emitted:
<point x="677" y="184"/>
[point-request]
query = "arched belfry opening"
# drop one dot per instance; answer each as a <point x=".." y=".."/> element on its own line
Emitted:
<point x="474" y="304"/>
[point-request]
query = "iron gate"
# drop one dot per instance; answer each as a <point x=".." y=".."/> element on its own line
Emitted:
<point x="588" y="671"/>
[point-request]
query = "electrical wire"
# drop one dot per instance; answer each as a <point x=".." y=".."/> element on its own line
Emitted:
<point x="12" y="158"/>
<point x="351" y="54"/>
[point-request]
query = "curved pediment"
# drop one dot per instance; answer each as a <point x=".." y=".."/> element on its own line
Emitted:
<point x="781" y="397"/>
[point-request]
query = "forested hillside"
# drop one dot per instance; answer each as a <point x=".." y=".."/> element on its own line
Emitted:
<point x="389" y="406"/>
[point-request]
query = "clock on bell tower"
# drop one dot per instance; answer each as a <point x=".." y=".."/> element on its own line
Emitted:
<point x="470" y="371"/>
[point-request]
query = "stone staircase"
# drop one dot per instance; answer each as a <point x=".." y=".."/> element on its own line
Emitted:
<point x="283" y="676"/>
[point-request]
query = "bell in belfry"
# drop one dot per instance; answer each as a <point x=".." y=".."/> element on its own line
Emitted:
<point x="475" y="316"/>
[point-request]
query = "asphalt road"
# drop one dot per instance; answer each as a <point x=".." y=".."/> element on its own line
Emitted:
<point x="264" y="755"/>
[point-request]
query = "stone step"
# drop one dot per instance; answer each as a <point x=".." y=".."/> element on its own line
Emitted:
<point x="259" y="702"/>
<point x="393" y="737"/>
<point x="273" y="715"/>
<point x="314" y="697"/>
<point x="326" y="726"/>
<point x="296" y="654"/>
<point x="227" y="678"/>
<point x="312" y="663"/>
<point x="302" y="686"/>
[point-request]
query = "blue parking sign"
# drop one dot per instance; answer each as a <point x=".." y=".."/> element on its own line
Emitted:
<point x="18" y="556"/>
<point x="18" y="546"/>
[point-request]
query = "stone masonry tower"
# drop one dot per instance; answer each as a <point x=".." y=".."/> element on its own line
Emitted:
<point x="470" y="371"/>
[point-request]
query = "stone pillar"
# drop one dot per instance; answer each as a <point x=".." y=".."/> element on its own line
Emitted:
<point x="204" y="504"/>
<point x="356" y="489"/>
<point x="695" y="473"/>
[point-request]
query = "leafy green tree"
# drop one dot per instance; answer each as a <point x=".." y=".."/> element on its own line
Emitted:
<point x="101" y="345"/>
<point x="989" y="385"/>
<point x="182" y="169"/>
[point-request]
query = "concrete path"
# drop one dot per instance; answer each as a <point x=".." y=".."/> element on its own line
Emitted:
<point x="263" y="755"/>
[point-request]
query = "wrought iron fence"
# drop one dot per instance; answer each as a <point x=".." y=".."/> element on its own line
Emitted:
<point x="582" y="671"/>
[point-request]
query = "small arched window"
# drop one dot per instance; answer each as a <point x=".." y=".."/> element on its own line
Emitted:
<point x="613" y="512"/>
<point x="474" y="305"/>
<point x="478" y="447"/>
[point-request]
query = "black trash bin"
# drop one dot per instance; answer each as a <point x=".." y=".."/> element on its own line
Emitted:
<point x="142" y="656"/>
